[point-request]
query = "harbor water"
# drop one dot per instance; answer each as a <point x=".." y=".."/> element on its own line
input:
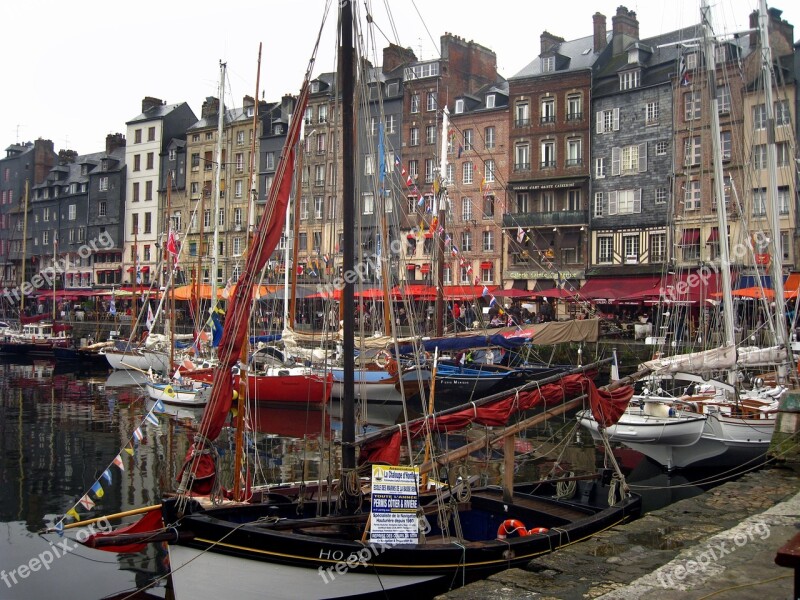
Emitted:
<point x="61" y="431"/>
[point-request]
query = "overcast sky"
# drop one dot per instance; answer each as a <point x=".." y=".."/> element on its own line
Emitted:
<point x="76" y="71"/>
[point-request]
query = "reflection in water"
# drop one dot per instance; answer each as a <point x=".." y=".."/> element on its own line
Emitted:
<point x="59" y="432"/>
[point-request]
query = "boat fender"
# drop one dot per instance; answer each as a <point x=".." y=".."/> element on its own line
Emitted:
<point x="537" y="530"/>
<point x="510" y="526"/>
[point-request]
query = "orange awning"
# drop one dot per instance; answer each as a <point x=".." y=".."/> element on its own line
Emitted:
<point x="184" y="292"/>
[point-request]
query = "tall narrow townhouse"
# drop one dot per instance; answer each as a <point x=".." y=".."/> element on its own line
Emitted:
<point x="148" y="137"/>
<point x="547" y="217"/>
<point x="632" y="153"/>
<point x="428" y="87"/>
<point x="23" y="164"/>
<point x="478" y="172"/>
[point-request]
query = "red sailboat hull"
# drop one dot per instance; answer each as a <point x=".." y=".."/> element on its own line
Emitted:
<point x="278" y="389"/>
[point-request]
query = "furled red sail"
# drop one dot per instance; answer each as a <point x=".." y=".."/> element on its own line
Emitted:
<point x="198" y="459"/>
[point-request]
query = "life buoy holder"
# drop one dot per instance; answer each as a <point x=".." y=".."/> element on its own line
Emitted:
<point x="510" y="526"/>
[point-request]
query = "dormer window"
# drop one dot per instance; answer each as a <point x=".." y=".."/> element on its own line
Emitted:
<point x="104" y="164"/>
<point x="490" y="98"/>
<point x="392" y="89"/>
<point x="278" y="129"/>
<point x="633" y="56"/>
<point x="459" y="106"/>
<point x="315" y="87"/>
<point x="548" y="64"/>
<point x="629" y="80"/>
<point x="250" y="111"/>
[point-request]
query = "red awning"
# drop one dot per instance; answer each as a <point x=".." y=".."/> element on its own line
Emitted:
<point x="428" y="235"/>
<point x="411" y="267"/>
<point x="411" y="236"/>
<point x="426" y="268"/>
<point x="465" y="292"/>
<point x="713" y="236"/>
<point x="690" y="237"/>
<point x="145" y="269"/>
<point x="487" y="264"/>
<point x="416" y="291"/>
<point x="607" y="290"/>
<point x="130" y="269"/>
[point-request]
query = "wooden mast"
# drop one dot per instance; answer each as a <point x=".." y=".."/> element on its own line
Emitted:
<point x="239" y="434"/>
<point x="171" y="278"/>
<point x="135" y="281"/>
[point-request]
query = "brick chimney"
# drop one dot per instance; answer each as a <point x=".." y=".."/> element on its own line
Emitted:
<point x="600" y="40"/>
<point x="114" y="141"/>
<point x="549" y="41"/>
<point x="149" y="103"/>
<point x="210" y="108"/>
<point x="396" y="56"/>
<point x="625" y="29"/>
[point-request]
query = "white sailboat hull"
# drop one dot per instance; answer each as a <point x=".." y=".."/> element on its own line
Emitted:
<point x="648" y="429"/>
<point x="196" y="574"/>
<point x="142" y="360"/>
<point x="179" y="396"/>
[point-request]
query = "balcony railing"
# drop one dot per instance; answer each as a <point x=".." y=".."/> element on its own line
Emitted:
<point x="522" y="122"/>
<point x="548" y="219"/>
<point x="576" y="116"/>
<point x="522" y="166"/>
<point x="547" y="119"/>
<point x="574" y="162"/>
<point x="547" y="164"/>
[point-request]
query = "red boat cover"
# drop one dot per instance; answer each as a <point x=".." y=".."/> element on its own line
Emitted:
<point x="150" y="522"/>
<point x="610" y="405"/>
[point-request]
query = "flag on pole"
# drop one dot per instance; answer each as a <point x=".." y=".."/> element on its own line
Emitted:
<point x="454" y="250"/>
<point x="151" y="319"/>
<point x="159" y="406"/>
<point x="107" y="475"/>
<point x="118" y="463"/>
<point x="485" y="291"/>
<point x="151" y="418"/>
<point x="87" y="502"/>
<point x="173" y="245"/>
<point x="74" y="514"/>
<point x="137" y="433"/>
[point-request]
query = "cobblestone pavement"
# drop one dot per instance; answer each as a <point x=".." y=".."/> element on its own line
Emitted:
<point x="722" y="542"/>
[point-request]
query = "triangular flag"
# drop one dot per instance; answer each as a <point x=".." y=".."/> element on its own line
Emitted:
<point x="159" y="407"/>
<point x="74" y="514"/>
<point x="87" y="503"/>
<point x="129" y="449"/>
<point x="97" y="490"/>
<point x="169" y="391"/>
<point x="137" y="433"/>
<point x="151" y="320"/>
<point x="59" y="527"/>
<point x="107" y="475"/>
<point x="152" y="419"/>
<point x="118" y="463"/>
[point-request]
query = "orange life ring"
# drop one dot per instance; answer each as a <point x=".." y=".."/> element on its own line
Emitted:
<point x="535" y="530"/>
<point x="510" y="526"/>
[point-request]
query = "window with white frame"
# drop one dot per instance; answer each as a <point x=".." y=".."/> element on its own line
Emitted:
<point x="430" y="102"/>
<point x="320" y="143"/>
<point x="414" y="103"/>
<point x="466" y="209"/>
<point x="103" y="184"/>
<point x="319" y="206"/>
<point x="459" y="108"/>
<point x="490" y="100"/>
<point x="413" y="168"/>
<point x="630" y="246"/>
<point x="238" y="186"/>
<point x="369" y="203"/>
<point x="574" y="107"/>
<point x="691" y="151"/>
<point x="548" y="202"/>
<point x="661" y="195"/>
<point x="692" y="102"/>
<point x="624" y="202"/>
<point x="429" y="170"/>
<point x="489" y="138"/>
<point x="522" y="114"/>
<point x="468" y="139"/>
<point x="605" y="249"/>
<point x="269" y="159"/>
<point x="629" y="80"/>
<point x="760" y="156"/>
<point x="488" y="206"/>
<point x="724" y="99"/>
<point x="413" y="137"/>
<point x="759" y="202"/>
<point x="447" y="275"/>
<point x="308" y="116"/>
<point x="548" y="110"/>
<point x="548" y="64"/>
<point x="574" y="152"/>
<point x="607" y="120"/>
<point x="467" y="173"/>
<point x="488" y="241"/>
<point x="319" y="175"/>
<point x="322" y="113"/>
<point x="451" y="173"/>
<point x="658" y="247"/>
<point x="784" y="154"/>
<point x="782" y="114"/>
<point x="548" y="154"/>
<point x="237" y="246"/>
<point x="102" y="207"/>
<point x="662" y="147"/>
<point x="574" y="200"/>
<point x="464" y="275"/>
<point x="487" y="273"/>
<point x="391" y="123"/>
<point x="760" y="116"/>
<point x="369" y="164"/>
<point x="304" y="208"/>
<point x="489" y="170"/>
<point x="726" y="144"/>
<point x="599" y="168"/>
<point x="783" y="200"/>
<point x="522" y="157"/>
<point x="430" y="134"/>
<point x="72" y="212"/>
<point x="651" y="113"/>
<point x="523" y="203"/>
<point x="466" y="241"/>
<point x="691" y="196"/>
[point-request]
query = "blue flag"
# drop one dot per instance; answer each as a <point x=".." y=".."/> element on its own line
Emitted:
<point x="216" y="326"/>
<point x="107" y="475"/>
<point x="159" y="407"/>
